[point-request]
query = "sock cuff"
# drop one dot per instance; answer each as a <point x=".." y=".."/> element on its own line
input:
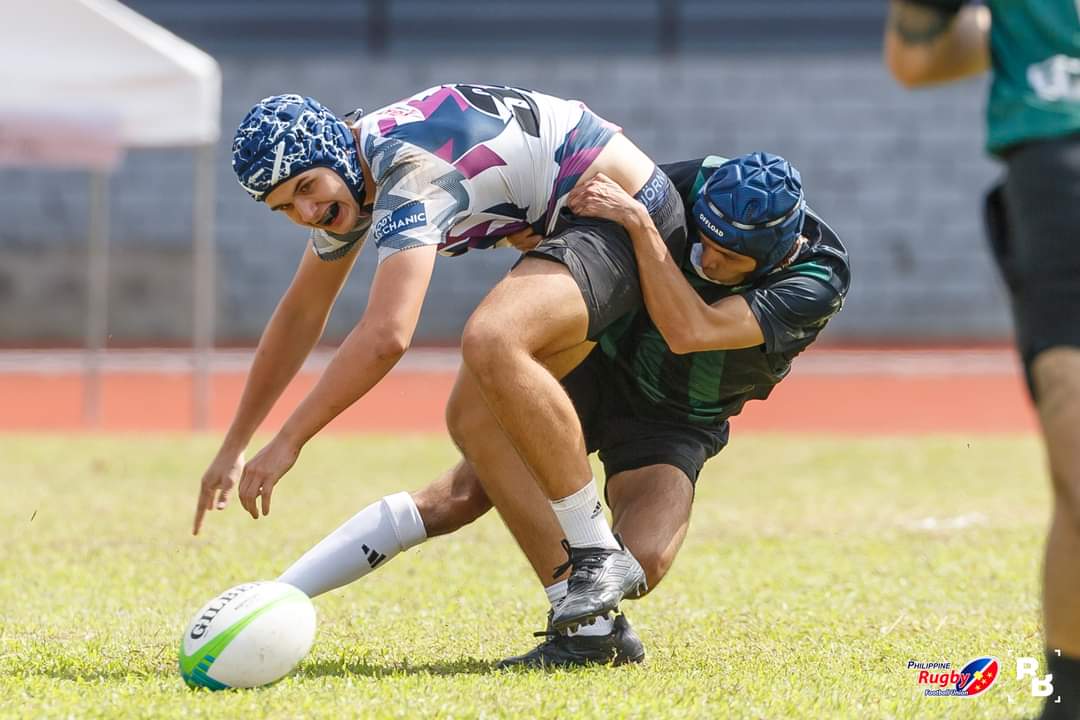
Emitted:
<point x="405" y="519"/>
<point x="556" y="592"/>
<point x="581" y="517"/>
<point x="585" y="497"/>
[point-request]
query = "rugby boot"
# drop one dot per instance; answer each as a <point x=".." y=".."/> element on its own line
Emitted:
<point x="622" y="645"/>
<point x="599" y="579"/>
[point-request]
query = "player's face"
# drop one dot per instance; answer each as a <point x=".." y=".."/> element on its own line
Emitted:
<point x="723" y="265"/>
<point x="317" y="198"/>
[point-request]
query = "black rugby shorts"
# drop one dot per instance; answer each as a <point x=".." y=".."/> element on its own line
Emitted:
<point x="600" y="255"/>
<point x="1032" y="223"/>
<point x="628" y="440"/>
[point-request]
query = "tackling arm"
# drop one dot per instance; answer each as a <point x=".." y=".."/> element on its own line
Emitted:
<point x="687" y="322"/>
<point x="935" y="41"/>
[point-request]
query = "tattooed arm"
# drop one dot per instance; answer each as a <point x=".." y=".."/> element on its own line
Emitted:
<point x="935" y="41"/>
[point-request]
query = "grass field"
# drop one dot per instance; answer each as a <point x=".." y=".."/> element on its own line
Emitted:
<point x="815" y="568"/>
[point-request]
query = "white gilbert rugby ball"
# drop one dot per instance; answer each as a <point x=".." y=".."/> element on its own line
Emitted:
<point x="250" y="635"/>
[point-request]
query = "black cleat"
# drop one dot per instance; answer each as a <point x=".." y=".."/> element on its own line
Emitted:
<point x="620" y="646"/>
<point x="599" y="579"/>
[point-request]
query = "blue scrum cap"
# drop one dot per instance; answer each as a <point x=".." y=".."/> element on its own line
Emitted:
<point x="753" y="205"/>
<point x="284" y="135"/>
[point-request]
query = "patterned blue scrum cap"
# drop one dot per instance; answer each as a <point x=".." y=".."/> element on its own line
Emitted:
<point x="284" y="135"/>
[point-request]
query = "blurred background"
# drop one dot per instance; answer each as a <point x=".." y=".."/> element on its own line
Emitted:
<point x="900" y="175"/>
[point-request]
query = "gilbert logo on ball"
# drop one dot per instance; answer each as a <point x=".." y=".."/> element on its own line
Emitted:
<point x="250" y="635"/>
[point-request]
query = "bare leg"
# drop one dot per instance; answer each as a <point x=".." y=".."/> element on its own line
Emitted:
<point x="651" y="508"/>
<point x="535" y="312"/>
<point x="387" y="527"/>
<point x="1057" y="379"/>
<point x="453" y="500"/>
<point x="505" y="478"/>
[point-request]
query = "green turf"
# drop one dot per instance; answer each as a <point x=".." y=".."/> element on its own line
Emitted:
<point x="810" y="576"/>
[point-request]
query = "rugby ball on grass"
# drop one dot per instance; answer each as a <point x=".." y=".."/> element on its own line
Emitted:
<point x="250" y="635"/>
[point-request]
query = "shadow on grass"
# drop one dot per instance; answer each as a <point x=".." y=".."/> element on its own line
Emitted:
<point x="317" y="669"/>
<point x="341" y="668"/>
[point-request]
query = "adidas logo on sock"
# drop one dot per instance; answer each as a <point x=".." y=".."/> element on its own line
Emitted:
<point x="596" y="510"/>
<point x="374" y="557"/>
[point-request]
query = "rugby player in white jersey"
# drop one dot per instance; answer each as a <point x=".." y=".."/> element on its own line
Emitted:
<point x="451" y="169"/>
<point x="724" y="323"/>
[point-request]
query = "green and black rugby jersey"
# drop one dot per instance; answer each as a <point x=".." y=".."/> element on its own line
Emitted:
<point x="792" y="305"/>
<point x="1035" y="55"/>
<point x="1035" y="50"/>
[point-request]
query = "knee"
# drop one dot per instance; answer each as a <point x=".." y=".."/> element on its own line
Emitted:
<point x="1056" y="375"/>
<point x="486" y="342"/>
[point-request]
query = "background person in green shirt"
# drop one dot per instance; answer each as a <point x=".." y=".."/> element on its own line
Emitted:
<point x="1033" y="218"/>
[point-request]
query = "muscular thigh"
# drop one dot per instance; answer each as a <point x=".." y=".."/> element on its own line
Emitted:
<point x="538" y="305"/>
<point x="466" y="410"/>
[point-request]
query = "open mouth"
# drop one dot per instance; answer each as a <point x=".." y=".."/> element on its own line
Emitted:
<point x="331" y="215"/>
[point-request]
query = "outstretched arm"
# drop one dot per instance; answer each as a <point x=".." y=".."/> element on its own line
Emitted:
<point x="935" y="41"/>
<point x="372" y="348"/>
<point x="687" y="322"/>
<point x="291" y="333"/>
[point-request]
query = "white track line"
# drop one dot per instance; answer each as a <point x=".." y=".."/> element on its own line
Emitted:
<point x="824" y="362"/>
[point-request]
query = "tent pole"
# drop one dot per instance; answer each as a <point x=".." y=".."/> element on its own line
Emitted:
<point x="203" y="285"/>
<point x="97" y="306"/>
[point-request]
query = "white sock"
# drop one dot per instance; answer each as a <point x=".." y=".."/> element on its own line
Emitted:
<point x="582" y="519"/>
<point x="556" y="593"/>
<point x="364" y="542"/>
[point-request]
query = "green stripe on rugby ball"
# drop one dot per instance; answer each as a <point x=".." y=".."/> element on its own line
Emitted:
<point x="195" y="676"/>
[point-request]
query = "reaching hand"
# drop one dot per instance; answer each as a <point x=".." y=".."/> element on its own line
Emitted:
<point x="601" y="197"/>
<point x="263" y="472"/>
<point x="218" y="480"/>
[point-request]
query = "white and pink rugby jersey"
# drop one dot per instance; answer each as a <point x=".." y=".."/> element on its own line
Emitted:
<point x="462" y="166"/>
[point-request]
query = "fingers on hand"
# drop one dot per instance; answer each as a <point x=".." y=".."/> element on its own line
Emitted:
<point x="200" y="509"/>
<point x="266" y="499"/>
<point x="249" y="490"/>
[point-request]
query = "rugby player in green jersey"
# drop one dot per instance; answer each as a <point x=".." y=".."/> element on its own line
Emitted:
<point x="761" y="278"/>
<point x="1032" y="49"/>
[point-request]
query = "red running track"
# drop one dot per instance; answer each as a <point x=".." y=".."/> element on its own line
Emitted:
<point x="829" y="391"/>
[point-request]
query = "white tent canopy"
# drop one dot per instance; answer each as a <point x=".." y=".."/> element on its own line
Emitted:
<point x="83" y="79"/>
<point x="100" y="59"/>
